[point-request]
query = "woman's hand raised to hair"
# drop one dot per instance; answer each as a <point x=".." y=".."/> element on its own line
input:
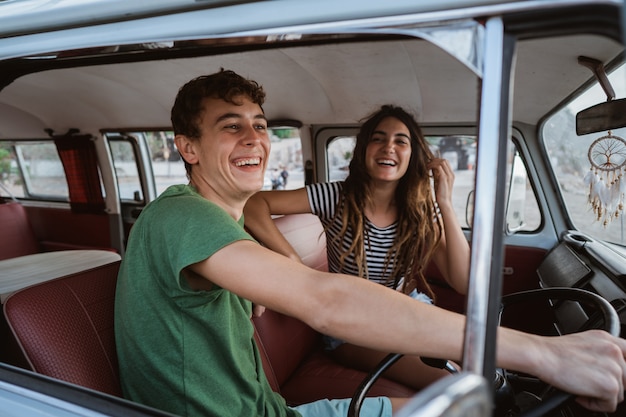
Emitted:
<point x="443" y="177"/>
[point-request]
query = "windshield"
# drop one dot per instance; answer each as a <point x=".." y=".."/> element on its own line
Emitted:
<point x="596" y="211"/>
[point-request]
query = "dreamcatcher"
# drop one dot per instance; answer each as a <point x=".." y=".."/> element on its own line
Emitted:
<point x="607" y="156"/>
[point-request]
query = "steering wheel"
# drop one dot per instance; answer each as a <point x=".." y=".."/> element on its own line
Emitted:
<point x="556" y="398"/>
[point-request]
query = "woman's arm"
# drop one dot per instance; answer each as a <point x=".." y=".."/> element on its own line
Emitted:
<point x="258" y="217"/>
<point x="452" y="256"/>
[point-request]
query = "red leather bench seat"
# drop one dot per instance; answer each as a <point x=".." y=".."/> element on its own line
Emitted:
<point x="298" y="367"/>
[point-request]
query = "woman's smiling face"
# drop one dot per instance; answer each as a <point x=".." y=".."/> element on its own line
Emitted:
<point x="388" y="151"/>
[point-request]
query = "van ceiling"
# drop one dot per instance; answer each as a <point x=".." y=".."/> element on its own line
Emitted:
<point x="315" y="84"/>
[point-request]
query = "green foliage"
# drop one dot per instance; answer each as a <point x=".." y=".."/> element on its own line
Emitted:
<point x="285" y="132"/>
<point x="5" y="162"/>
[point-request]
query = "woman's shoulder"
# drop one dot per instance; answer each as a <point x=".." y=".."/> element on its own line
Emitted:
<point x="331" y="186"/>
<point x="325" y="191"/>
<point x="323" y="197"/>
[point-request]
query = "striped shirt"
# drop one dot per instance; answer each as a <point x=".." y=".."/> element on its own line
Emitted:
<point x="324" y="198"/>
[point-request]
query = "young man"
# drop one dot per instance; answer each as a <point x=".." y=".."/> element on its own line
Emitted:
<point x="184" y="296"/>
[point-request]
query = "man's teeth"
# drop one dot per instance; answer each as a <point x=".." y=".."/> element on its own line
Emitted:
<point x="251" y="161"/>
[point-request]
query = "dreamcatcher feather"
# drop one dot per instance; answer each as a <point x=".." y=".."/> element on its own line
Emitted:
<point x="607" y="189"/>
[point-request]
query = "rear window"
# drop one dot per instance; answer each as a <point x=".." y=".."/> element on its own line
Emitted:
<point x="523" y="213"/>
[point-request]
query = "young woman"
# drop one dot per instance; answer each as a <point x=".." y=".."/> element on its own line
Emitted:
<point x="386" y="222"/>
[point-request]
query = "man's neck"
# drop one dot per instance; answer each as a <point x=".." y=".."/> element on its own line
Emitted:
<point x="231" y="204"/>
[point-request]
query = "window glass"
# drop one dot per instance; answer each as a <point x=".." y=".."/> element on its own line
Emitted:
<point x="522" y="209"/>
<point x="32" y="170"/>
<point x="126" y="171"/>
<point x="460" y="150"/>
<point x="285" y="169"/>
<point x="569" y="160"/>
<point x="167" y="165"/>
<point x="339" y="155"/>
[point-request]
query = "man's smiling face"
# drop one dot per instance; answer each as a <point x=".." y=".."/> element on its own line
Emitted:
<point x="232" y="150"/>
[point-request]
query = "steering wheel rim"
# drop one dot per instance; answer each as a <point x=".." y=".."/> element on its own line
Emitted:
<point x="354" y="409"/>
<point x="611" y="325"/>
<point x="611" y="318"/>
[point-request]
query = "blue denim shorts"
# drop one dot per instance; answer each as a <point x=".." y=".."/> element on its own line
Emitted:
<point x="331" y="343"/>
<point x="371" y="407"/>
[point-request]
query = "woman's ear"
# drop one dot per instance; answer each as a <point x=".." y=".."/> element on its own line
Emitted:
<point x="187" y="149"/>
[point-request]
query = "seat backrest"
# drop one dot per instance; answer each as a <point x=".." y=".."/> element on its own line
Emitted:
<point x="18" y="238"/>
<point x="284" y="342"/>
<point x="306" y="235"/>
<point x="64" y="327"/>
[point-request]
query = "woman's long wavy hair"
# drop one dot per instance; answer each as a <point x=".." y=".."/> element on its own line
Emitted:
<point x="419" y="228"/>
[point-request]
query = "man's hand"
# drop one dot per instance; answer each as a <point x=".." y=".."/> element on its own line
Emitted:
<point x="591" y="365"/>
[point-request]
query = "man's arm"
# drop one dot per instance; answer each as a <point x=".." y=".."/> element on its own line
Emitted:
<point x="590" y="365"/>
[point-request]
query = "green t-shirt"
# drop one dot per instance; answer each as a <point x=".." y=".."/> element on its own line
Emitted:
<point x="188" y="352"/>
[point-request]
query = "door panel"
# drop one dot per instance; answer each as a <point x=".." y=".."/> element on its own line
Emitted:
<point x="520" y="273"/>
<point x="58" y="228"/>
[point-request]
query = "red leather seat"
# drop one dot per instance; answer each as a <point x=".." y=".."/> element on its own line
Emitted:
<point x="299" y="369"/>
<point x="64" y="328"/>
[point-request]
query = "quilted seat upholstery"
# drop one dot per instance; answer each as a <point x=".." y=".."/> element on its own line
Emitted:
<point x="64" y="328"/>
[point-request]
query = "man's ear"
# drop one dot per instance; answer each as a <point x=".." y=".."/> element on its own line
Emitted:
<point x="187" y="149"/>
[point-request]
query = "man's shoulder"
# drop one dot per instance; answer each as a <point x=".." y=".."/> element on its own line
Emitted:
<point x="181" y="194"/>
<point x="181" y="203"/>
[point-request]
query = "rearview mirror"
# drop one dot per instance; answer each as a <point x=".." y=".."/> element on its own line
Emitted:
<point x="601" y="117"/>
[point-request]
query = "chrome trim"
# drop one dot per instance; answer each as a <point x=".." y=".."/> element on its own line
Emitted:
<point x="488" y="223"/>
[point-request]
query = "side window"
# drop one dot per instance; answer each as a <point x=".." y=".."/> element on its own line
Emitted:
<point x="32" y="170"/>
<point x="146" y="163"/>
<point x="460" y="150"/>
<point x="522" y="209"/>
<point x="168" y="167"/>
<point x="285" y="170"/>
<point x="338" y="156"/>
<point x="155" y="153"/>
<point x="126" y="169"/>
